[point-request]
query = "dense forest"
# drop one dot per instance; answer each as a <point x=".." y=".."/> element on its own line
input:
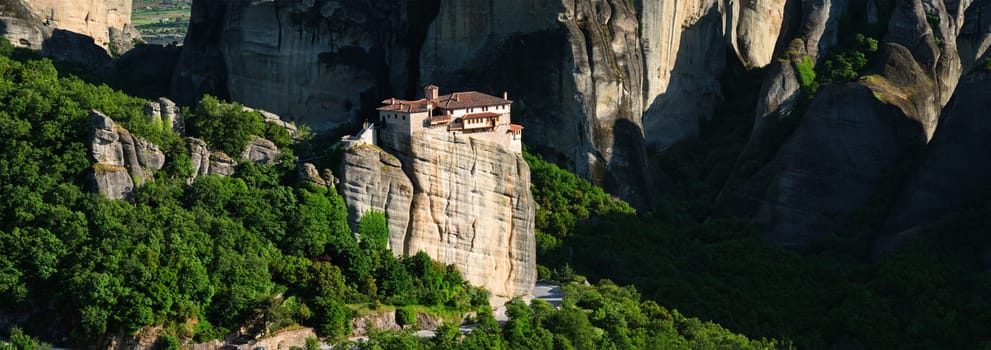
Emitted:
<point x="260" y="250"/>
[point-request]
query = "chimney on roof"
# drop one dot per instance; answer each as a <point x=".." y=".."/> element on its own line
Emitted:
<point x="431" y="92"/>
<point x="392" y="101"/>
<point x="505" y="95"/>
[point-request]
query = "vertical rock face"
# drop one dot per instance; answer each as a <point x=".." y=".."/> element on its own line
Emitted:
<point x="685" y="52"/>
<point x="316" y="62"/>
<point x="108" y="22"/>
<point x="474" y="209"/>
<point x="829" y="167"/>
<point x="463" y="201"/>
<point x="954" y="170"/>
<point x="372" y="179"/>
<point x="573" y="68"/>
<point x="601" y="81"/>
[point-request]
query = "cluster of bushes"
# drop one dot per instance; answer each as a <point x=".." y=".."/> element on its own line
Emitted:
<point x="849" y="62"/>
<point x="229" y="126"/>
<point x="563" y="200"/>
<point x="605" y="316"/>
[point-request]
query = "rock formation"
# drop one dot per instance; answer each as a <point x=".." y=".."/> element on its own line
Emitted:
<point x="612" y="71"/>
<point x="954" y="173"/>
<point x="108" y="22"/>
<point x="315" y="62"/>
<point x="121" y="160"/>
<point x="855" y="141"/>
<point x="165" y="112"/>
<point x="463" y="201"/>
<point x="605" y="85"/>
<point x="206" y="162"/>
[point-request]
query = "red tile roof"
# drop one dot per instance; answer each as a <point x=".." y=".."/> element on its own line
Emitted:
<point x="397" y="105"/>
<point x="515" y="127"/>
<point x="469" y="99"/>
<point x="457" y="100"/>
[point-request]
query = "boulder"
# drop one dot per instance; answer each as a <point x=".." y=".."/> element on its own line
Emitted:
<point x="106" y="22"/>
<point x="261" y="151"/>
<point x="121" y="161"/>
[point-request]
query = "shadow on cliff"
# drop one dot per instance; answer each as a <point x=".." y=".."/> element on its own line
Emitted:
<point x="205" y="71"/>
<point x="693" y="89"/>
<point x="144" y="71"/>
<point x="537" y="69"/>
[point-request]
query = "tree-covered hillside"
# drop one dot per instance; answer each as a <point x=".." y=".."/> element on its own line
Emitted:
<point x="200" y="260"/>
<point x="259" y="250"/>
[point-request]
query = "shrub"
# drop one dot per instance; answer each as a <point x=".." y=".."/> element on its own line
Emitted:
<point x="807" y="75"/>
<point x="405" y="317"/>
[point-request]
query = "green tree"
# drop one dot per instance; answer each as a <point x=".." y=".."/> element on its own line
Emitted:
<point x="225" y="126"/>
<point x="373" y="229"/>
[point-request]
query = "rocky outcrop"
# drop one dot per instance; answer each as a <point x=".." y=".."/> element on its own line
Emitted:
<point x="831" y="165"/>
<point x="372" y="179"/>
<point x="206" y="162"/>
<point x="261" y="151"/>
<point x="121" y="160"/>
<point x="780" y="90"/>
<point x="387" y="321"/>
<point x="308" y="172"/>
<point x="463" y="201"/>
<point x="108" y="22"/>
<point x="315" y="62"/>
<point x="165" y="112"/>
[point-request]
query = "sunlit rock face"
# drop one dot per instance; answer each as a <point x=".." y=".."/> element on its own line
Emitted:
<point x="108" y="22"/>
<point x="463" y="201"/>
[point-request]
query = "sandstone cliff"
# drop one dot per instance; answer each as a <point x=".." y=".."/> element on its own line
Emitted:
<point x="858" y="142"/>
<point x="613" y="73"/>
<point x="463" y="201"/>
<point x="605" y="85"/>
<point x="108" y="22"/>
<point x="954" y="174"/>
